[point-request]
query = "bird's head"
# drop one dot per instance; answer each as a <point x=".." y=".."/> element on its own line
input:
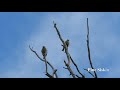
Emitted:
<point x="43" y="46"/>
<point x="67" y="39"/>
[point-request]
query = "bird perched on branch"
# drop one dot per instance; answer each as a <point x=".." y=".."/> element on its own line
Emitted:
<point x="67" y="44"/>
<point x="44" y="52"/>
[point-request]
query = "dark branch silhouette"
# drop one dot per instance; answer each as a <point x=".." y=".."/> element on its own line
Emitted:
<point x="89" y="55"/>
<point x="77" y="67"/>
<point x="89" y="72"/>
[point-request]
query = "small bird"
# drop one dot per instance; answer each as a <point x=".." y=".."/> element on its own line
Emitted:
<point x="44" y="52"/>
<point x="67" y="43"/>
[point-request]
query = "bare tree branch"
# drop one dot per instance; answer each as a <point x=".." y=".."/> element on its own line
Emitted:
<point x="69" y="69"/>
<point x="89" y="56"/>
<point x="77" y="67"/>
<point x="46" y="64"/>
<point x="65" y="46"/>
<point x="54" y="72"/>
<point x="65" y="68"/>
<point x="78" y="76"/>
<point x="66" y="51"/>
<point x="70" y="60"/>
<point x="44" y="61"/>
<point x="50" y="76"/>
<point x="89" y="72"/>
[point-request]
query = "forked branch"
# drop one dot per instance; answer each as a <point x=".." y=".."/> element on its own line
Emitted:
<point x="77" y="67"/>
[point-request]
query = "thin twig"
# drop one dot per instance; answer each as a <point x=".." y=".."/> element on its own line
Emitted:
<point x="78" y="76"/>
<point x="54" y="72"/>
<point x="50" y="76"/>
<point x="65" y="68"/>
<point x="89" y="72"/>
<point x="43" y="60"/>
<point x="77" y="67"/>
<point x="89" y="56"/>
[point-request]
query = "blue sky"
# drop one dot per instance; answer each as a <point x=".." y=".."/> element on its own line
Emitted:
<point x="18" y="30"/>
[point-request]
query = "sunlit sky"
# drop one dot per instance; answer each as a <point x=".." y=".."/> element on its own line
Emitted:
<point x="18" y="30"/>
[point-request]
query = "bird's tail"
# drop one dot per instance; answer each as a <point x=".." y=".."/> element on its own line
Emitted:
<point x="63" y="49"/>
<point x="43" y="57"/>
